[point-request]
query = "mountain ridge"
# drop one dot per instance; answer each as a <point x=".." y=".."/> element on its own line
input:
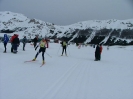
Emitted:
<point x="92" y="31"/>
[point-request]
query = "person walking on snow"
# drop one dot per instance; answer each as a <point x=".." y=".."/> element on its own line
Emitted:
<point x="24" y="41"/>
<point x="5" y="41"/>
<point x="64" y="46"/>
<point x="43" y="46"/>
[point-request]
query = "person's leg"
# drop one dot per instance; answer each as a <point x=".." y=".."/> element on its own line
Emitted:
<point x="63" y="50"/>
<point x="23" y="46"/>
<point x="11" y="47"/>
<point x="5" y="47"/>
<point x="15" y="48"/>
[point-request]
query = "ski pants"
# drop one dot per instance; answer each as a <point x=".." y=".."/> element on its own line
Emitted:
<point x="64" y="49"/>
<point x="24" y="46"/>
<point x="5" y="46"/>
<point x="41" y="50"/>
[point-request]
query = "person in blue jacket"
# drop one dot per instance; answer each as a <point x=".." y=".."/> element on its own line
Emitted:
<point x="5" y="41"/>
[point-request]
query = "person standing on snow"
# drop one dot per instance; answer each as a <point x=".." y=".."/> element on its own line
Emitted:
<point x="101" y="48"/>
<point x="5" y="41"/>
<point x="15" y="43"/>
<point x="11" y="40"/>
<point x="64" y="46"/>
<point x="97" y="53"/>
<point x="24" y="41"/>
<point x="35" y="40"/>
<point x="43" y="46"/>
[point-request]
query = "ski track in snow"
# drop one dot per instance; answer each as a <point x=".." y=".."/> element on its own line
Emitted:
<point x="77" y="76"/>
<point x="60" y="83"/>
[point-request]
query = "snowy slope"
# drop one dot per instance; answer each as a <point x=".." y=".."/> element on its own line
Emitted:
<point x="77" y="76"/>
<point x="24" y="26"/>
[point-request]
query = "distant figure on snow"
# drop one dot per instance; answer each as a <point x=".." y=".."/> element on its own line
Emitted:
<point x="97" y="53"/>
<point x="15" y="43"/>
<point x="35" y="40"/>
<point x="64" y="46"/>
<point x="11" y="40"/>
<point x="5" y="41"/>
<point x="24" y="41"/>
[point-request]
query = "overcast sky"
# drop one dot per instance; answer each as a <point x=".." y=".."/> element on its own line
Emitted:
<point x="66" y="12"/>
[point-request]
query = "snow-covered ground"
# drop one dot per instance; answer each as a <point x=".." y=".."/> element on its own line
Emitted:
<point x="77" y="76"/>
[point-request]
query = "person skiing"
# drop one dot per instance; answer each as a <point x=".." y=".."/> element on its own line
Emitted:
<point x="64" y="46"/>
<point x="24" y="41"/>
<point x="5" y="41"/>
<point x="35" y="40"/>
<point x="97" y="53"/>
<point x="43" y="46"/>
<point x="15" y="43"/>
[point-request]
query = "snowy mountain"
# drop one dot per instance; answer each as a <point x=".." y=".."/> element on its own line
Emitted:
<point x="115" y="32"/>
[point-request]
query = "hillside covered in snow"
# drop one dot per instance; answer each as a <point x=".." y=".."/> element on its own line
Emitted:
<point x="113" y="31"/>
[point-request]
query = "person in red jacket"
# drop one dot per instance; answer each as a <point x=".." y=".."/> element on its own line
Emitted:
<point x="11" y="41"/>
<point x="101" y="48"/>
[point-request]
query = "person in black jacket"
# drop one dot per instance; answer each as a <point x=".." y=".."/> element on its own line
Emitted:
<point x="97" y="53"/>
<point x="16" y="43"/>
<point x="24" y="41"/>
<point x="35" y="40"/>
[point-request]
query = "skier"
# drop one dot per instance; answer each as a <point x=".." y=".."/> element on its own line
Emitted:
<point x="24" y="41"/>
<point x="43" y="46"/>
<point x="15" y="43"/>
<point x="64" y="46"/>
<point x="35" y="40"/>
<point x="5" y="41"/>
<point x="97" y="53"/>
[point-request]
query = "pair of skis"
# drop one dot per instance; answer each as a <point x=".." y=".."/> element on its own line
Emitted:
<point x="34" y="61"/>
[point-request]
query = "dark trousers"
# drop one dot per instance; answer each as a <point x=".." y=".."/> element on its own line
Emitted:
<point x="5" y="46"/>
<point x="15" y="46"/>
<point x="11" y="47"/>
<point x="23" y="46"/>
<point x="97" y="56"/>
<point x="41" y="50"/>
<point x="64" y="49"/>
<point x="35" y="44"/>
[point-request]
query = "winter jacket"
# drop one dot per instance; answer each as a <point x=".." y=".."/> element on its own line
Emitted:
<point x="97" y="49"/>
<point x="24" y="40"/>
<point x="5" y="39"/>
<point x="101" y="48"/>
<point x="16" y="40"/>
<point x="12" y="38"/>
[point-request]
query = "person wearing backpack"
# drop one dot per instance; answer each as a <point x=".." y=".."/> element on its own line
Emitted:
<point x="64" y="46"/>
<point x="43" y="46"/>
<point x="5" y="41"/>
<point x="11" y="41"/>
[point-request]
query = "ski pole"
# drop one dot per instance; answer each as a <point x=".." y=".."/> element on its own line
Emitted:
<point x="49" y="55"/>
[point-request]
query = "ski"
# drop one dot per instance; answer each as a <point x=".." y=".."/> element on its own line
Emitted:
<point x="42" y="65"/>
<point x="29" y="61"/>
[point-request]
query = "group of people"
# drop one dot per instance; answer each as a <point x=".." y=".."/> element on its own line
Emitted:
<point x="15" y="42"/>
